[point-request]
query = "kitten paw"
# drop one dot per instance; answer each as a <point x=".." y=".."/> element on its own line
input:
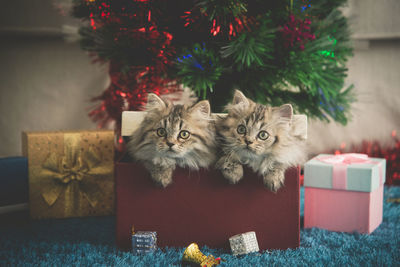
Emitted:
<point x="165" y="181"/>
<point x="233" y="172"/>
<point x="162" y="176"/>
<point x="274" y="180"/>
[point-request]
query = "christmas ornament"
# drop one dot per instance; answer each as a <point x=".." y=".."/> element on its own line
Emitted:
<point x="296" y="32"/>
<point x="192" y="254"/>
<point x="244" y="243"/>
<point x="393" y="200"/>
<point x="143" y="242"/>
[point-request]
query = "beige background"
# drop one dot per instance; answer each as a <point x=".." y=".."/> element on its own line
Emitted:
<point x="47" y="83"/>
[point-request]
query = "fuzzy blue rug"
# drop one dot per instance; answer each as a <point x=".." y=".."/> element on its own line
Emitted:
<point x="90" y="242"/>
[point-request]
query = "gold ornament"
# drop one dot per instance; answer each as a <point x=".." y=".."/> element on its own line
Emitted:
<point x="192" y="254"/>
<point x="393" y="200"/>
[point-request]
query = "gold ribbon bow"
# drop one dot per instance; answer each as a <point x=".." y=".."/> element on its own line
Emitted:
<point x="73" y="173"/>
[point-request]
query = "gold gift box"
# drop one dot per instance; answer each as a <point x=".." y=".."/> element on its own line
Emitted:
<point x="71" y="173"/>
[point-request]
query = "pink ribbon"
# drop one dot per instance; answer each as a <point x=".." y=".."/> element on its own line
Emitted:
<point x="340" y="163"/>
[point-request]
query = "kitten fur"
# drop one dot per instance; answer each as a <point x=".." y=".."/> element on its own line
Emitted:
<point x="161" y="154"/>
<point x="270" y="157"/>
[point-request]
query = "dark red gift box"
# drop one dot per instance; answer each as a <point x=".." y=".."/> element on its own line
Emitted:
<point x="202" y="207"/>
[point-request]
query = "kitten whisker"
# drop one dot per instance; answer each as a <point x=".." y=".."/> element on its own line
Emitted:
<point x="193" y="150"/>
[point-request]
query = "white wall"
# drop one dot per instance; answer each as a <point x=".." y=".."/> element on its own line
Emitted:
<point x="46" y="83"/>
<point x="375" y="72"/>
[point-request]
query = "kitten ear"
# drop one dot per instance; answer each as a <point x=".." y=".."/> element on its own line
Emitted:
<point x="154" y="102"/>
<point x="239" y="105"/>
<point x="240" y="98"/>
<point x="285" y="111"/>
<point x="202" y="108"/>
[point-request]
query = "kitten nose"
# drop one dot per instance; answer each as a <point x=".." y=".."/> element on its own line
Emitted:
<point x="170" y="144"/>
<point x="248" y="142"/>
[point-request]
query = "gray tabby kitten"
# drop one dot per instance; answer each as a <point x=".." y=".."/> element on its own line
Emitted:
<point x="259" y="137"/>
<point x="173" y="135"/>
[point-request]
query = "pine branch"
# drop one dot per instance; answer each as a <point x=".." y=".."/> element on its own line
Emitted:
<point x="199" y="69"/>
<point x="274" y="51"/>
<point x="253" y="48"/>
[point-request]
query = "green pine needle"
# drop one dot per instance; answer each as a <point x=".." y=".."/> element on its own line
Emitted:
<point x="253" y="48"/>
<point x="247" y="52"/>
<point x="199" y="69"/>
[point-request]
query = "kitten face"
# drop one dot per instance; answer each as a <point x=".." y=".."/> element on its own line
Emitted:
<point x="174" y="132"/>
<point x="251" y="129"/>
<point x="253" y="134"/>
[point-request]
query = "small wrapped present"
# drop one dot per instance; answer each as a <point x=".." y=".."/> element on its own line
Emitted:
<point x="13" y="184"/>
<point x="144" y="242"/>
<point x="244" y="243"/>
<point x="71" y="174"/>
<point x="344" y="192"/>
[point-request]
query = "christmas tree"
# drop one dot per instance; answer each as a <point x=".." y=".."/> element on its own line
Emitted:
<point x="276" y="52"/>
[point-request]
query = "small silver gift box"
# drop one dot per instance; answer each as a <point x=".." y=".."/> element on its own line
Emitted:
<point x="244" y="243"/>
<point x="144" y="242"/>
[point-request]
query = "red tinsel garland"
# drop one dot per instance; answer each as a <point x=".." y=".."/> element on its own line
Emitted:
<point x="128" y="91"/>
<point x="131" y="84"/>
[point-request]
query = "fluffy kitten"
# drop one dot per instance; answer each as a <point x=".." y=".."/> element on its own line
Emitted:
<point x="259" y="137"/>
<point x="173" y="135"/>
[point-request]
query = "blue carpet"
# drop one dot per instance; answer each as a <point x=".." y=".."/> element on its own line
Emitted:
<point x="90" y="242"/>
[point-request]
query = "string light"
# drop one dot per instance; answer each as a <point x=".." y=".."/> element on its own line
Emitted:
<point x="92" y="23"/>
<point x="330" y="53"/>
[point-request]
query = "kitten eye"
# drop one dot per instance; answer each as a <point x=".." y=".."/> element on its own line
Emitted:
<point x="241" y="129"/>
<point x="184" y="134"/>
<point x="263" y="135"/>
<point x="161" y="132"/>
